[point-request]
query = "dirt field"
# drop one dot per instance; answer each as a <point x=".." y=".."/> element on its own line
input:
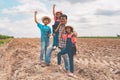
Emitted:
<point x="97" y="59"/>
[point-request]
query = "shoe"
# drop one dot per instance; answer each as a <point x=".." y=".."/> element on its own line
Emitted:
<point x="58" y="50"/>
<point x="72" y="75"/>
<point x="54" y="47"/>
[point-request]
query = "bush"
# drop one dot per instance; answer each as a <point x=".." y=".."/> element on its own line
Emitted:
<point x="5" y="36"/>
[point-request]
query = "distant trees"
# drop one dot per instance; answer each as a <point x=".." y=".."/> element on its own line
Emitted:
<point x="5" y="36"/>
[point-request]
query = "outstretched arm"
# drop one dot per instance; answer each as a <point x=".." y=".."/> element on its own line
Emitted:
<point x="35" y="18"/>
<point x="54" y="9"/>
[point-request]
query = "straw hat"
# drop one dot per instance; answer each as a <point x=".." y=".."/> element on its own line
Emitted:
<point x="59" y="12"/>
<point x="69" y="27"/>
<point x="46" y="17"/>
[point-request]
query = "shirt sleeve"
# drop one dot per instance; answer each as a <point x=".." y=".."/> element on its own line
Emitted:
<point x="39" y="25"/>
<point x="74" y="40"/>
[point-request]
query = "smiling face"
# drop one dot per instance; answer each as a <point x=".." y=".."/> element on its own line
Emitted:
<point x="63" y="20"/>
<point x="68" y="30"/>
<point x="58" y="14"/>
<point x="46" y="21"/>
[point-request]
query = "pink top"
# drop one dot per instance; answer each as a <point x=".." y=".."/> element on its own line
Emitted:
<point x="55" y="19"/>
<point x="73" y="38"/>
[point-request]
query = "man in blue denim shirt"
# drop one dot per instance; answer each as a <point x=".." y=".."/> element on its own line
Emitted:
<point x="45" y="34"/>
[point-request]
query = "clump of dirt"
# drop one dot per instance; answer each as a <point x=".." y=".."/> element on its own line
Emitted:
<point x="97" y="59"/>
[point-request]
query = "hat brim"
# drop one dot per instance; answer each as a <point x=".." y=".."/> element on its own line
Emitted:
<point x="46" y="17"/>
<point x="69" y="27"/>
<point x="58" y="12"/>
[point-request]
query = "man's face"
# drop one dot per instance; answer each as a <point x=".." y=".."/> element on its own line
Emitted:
<point x="63" y="20"/>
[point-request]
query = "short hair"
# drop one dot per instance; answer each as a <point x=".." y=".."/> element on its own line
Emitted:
<point x="64" y="15"/>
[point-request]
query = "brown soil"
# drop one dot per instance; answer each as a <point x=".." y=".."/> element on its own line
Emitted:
<point x="97" y="59"/>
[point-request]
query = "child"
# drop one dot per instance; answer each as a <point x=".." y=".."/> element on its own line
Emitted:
<point x="57" y="21"/>
<point x="70" y="48"/>
<point x="45" y="34"/>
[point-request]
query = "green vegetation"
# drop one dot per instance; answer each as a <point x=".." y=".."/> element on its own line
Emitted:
<point x="4" y="39"/>
<point x="98" y="37"/>
<point x="5" y="36"/>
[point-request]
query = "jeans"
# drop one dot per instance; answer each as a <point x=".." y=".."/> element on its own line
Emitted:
<point x="55" y="39"/>
<point x="48" y="57"/>
<point x="65" y="57"/>
<point x="48" y="54"/>
<point x="43" y="51"/>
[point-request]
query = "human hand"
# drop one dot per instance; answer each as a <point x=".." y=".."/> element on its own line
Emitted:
<point x="54" y="5"/>
<point x="35" y="12"/>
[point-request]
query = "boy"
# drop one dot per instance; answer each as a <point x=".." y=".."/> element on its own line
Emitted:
<point x="45" y="34"/>
<point x="57" y="21"/>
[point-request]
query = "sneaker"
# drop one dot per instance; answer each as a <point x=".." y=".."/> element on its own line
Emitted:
<point x="58" y="50"/>
<point x="54" y="47"/>
<point x="72" y="75"/>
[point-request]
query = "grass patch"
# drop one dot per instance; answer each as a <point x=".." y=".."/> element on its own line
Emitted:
<point x="4" y="41"/>
<point x="98" y="37"/>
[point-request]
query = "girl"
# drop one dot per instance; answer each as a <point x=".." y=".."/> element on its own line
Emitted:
<point x="70" y="49"/>
<point x="56" y="23"/>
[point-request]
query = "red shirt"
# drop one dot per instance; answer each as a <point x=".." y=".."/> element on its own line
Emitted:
<point x="73" y="38"/>
<point x="55" y="19"/>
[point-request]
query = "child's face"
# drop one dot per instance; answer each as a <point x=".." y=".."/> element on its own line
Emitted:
<point x="63" y="20"/>
<point x="46" y="21"/>
<point x="58" y="15"/>
<point x="68" y="30"/>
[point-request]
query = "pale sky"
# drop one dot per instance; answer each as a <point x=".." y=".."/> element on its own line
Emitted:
<point x="88" y="17"/>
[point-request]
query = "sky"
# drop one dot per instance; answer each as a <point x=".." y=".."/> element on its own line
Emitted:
<point x="88" y="17"/>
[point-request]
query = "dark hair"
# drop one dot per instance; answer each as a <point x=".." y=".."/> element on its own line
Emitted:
<point x="64" y="15"/>
<point x="71" y="28"/>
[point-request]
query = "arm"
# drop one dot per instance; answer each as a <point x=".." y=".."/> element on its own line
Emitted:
<point x="35" y="13"/>
<point x="57" y="28"/>
<point x="54" y="9"/>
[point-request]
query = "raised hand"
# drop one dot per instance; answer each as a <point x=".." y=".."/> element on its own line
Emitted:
<point x="54" y="5"/>
<point x="35" y="12"/>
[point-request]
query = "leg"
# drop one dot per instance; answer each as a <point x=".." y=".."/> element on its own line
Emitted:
<point x="56" y="39"/>
<point x="48" y="54"/>
<point x="63" y="51"/>
<point x="42" y="52"/>
<point x="71" y="62"/>
<point x="65" y="57"/>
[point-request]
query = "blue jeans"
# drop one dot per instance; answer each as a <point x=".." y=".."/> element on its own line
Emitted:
<point x="48" y="54"/>
<point x="65" y="57"/>
<point x="55" y="39"/>
<point x="48" y="57"/>
<point x="43" y="51"/>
